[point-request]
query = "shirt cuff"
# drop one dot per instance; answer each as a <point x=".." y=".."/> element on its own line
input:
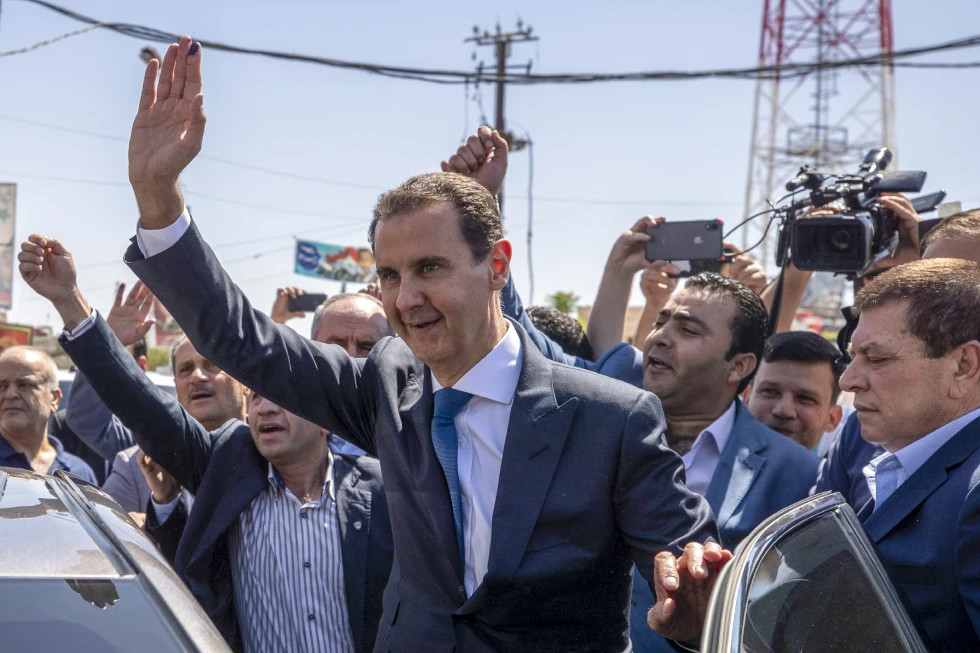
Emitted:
<point x="81" y="328"/>
<point x="163" y="510"/>
<point x="154" y="241"/>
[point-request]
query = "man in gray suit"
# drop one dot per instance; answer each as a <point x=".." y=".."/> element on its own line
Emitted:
<point x="288" y="547"/>
<point x="521" y="491"/>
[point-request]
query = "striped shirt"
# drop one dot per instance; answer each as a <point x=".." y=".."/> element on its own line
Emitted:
<point x="288" y="572"/>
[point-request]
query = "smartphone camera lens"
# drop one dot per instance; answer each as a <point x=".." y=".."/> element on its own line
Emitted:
<point x="711" y="226"/>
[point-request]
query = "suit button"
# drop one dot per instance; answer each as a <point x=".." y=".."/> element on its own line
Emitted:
<point x="305" y="514"/>
<point x="357" y="526"/>
<point x="307" y="564"/>
<point x="311" y="617"/>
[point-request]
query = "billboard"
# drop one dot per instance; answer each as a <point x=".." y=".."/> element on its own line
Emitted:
<point x="335" y="262"/>
<point x="8" y="212"/>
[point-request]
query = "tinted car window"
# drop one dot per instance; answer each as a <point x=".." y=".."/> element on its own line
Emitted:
<point x="812" y="592"/>
<point x="47" y="614"/>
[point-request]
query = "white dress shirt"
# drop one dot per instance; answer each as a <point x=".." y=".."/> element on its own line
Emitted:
<point x="482" y="430"/>
<point x="889" y="470"/>
<point x="701" y="460"/>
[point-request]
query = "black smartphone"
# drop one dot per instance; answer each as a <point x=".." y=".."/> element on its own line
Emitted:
<point x="306" y="303"/>
<point x="694" y="240"/>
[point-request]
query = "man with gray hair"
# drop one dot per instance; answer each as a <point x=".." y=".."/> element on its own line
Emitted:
<point x="29" y="394"/>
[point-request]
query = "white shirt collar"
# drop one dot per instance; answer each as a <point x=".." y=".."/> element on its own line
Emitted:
<point x="721" y="428"/>
<point x="495" y="376"/>
<point x="914" y="455"/>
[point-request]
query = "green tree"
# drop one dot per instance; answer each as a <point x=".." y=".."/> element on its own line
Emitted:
<point x="564" y="301"/>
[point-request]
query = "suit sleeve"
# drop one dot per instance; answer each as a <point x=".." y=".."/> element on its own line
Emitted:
<point x="654" y="508"/>
<point x="167" y="535"/>
<point x="161" y="427"/>
<point x="318" y="382"/>
<point x="93" y="423"/>
<point x="121" y="485"/>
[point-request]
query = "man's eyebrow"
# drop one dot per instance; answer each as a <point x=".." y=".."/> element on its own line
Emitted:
<point x="687" y="317"/>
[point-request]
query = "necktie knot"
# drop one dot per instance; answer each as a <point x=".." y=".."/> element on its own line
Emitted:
<point x="448" y="403"/>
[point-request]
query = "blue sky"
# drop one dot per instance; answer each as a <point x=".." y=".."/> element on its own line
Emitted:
<point x="604" y="154"/>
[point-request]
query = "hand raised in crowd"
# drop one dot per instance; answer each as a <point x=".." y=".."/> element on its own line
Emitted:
<point x="746" y="270"/>
<point x="167" y="132"/>
<point x="280" y="308"/>
<point x="163" y="486"/>
<point x="908" y="229"/>
<point x="49" y="269"/>
<point x="628" y="254"/>
<point x="128" y="319"/>
<point x="483" y="157"/>
<point x="373" y="289"/>
<point x="658" y="282"/>
<point x="683" y="586"/>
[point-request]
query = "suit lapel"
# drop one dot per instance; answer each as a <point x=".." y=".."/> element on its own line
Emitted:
<point x="353" y="516"/>
<point x="415" y="406"/>
<point x="738" y="467"/>
<point x="536" y="436"/>
<point x="923" y="482"/>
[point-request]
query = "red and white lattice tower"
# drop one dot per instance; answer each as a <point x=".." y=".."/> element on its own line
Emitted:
<point x="794" y="123"/>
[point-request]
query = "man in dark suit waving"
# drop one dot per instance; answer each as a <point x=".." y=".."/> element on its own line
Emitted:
<point x="520" y="491"/>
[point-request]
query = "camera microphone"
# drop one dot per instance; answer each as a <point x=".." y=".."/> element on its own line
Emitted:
<point x="807" y="177"/>
<point x="876" y="160"/>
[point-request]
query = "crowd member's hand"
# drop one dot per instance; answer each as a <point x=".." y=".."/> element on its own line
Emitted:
<point x="373" y="289"/>
<point x="483" y="157"/>
<point x="280" y="307"/>
<point x="658" y="282"/>
<point x="628" y="254"/>
<point x="746" y="270"/>
<point x="683" y="586"/>
<point x="164" y="487"/>
<point x="908" y="229"/>
<point x="49" y="269"/>
<point x="128" y="319"/>
<point x="167" y="132"/>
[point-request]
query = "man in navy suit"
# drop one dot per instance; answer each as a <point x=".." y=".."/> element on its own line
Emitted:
<point x="521" y="492"/>
<point x="915" y="375"/>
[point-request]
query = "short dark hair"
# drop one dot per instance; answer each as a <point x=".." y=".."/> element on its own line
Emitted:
<point x="139" y="348"/>
<point x="479" y="216"/>
<point x="563" y="329"/>
<point x="750" y="320"/>
<point x="806" y="347"/>
<point x="943" y="296"/>
<point x="962" y="225"/>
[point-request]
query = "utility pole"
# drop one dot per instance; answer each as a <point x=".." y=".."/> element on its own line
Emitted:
<point x="501" y="42"/>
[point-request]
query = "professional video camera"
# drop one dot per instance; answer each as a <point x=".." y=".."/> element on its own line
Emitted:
<point x="851" y="242"/>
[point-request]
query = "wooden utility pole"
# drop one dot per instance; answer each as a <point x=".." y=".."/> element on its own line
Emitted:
<point x="501" y="42"/>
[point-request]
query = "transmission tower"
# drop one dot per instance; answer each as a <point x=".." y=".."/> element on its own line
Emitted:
<point x="793" y="121"/>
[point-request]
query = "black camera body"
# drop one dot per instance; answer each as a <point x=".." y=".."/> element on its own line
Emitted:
<point x="851" y="242"/>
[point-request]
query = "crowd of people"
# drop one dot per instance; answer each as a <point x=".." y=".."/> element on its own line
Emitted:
<point x="437" y="468"/>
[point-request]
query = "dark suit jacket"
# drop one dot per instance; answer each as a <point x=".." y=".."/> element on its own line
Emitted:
<point x="759" y="473"/>
<point x="587" y="483"/>
<point x="225" y="472"/>
<point x="927" y="534"/>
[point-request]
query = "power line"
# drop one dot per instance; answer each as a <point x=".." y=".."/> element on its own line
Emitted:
<point x="440" y="76"/>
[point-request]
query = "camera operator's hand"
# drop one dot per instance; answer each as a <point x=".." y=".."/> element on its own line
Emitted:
<point x="745" y="270"/>
<point x="657" y="282"/>
<point x="908" y="229"/>
<point x="628" y="254"/>
<point x="280" y="308"/>
<point x="483" y="157"/>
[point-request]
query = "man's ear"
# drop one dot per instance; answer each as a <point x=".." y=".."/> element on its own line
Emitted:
<point x="966" y="375"/>
<point x="500" y="264"/>
<point x="56" y="397"/>
<point x="742" y="366"/>
<point x="833" y="419"/>
<point x="143" y="363"/>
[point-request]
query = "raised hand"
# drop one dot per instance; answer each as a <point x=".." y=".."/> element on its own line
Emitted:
<point x="908" y="229"/>
<point x="128" y="319"/>
<point x="167" y="133"/>
<point x="483" y="157"/>
<point x="163" y="486"/>
<point x="683" y="586"/>
<point x="628" y="254"/>
<point x="746" y="270"/>
<point x="658" y="282"/>
<point x="280" y="308"/>
<point x="49" y="269"/>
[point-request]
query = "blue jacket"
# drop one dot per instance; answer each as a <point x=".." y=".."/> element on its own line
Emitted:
<point x="10" y="457"/>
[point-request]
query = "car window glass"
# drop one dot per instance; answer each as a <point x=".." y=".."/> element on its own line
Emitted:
<point x="811" y="592"/>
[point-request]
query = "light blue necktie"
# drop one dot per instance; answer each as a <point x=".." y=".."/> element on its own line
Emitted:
<point x="886" y="478"/>
<point x="448" y="403"/>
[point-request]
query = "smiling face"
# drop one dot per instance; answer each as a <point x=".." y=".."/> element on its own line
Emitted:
<point x="281" y="437"/>
<point x="796" y="399"/>
<point x="207" y="393"/>
<point x="900" y="394"/>
<point x="27" y="394"/>
<point x="440" y="300"/>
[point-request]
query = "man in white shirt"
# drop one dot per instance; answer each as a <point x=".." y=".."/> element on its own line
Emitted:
<point x="915" y="376"/>
<point x="568" y="471"/>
